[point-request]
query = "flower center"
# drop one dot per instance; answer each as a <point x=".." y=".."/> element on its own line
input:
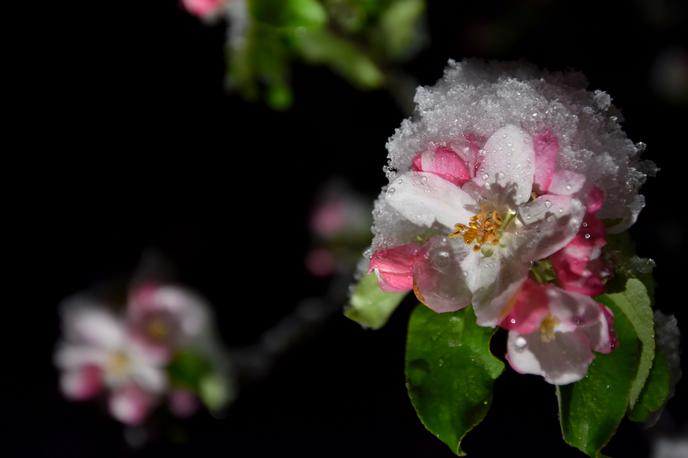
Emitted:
<point x="547" y="328"/>
<point x="158" y="329"/>
<point x="485" y="228"/>
<point x="118" y="363"/>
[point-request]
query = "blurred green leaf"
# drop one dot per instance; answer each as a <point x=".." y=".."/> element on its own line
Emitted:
<point x="187" y="369"/>
<point x="370" y="306"/>
<point x="398" y="28"/>
<point x="321" y="46"/>
<point x="289" y="13"/>
<point x="450" y="372"/>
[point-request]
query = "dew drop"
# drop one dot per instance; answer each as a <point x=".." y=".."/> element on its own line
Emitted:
<point x="512" y="321"/>
<point x="500" y="175"/>
<point x="440" y="362"/>
<point x="520" y="343"/>
<point x="391" y="191"/>
<point x="548" y="204"/>
<point x="587" y="236"/>
<point x="485" y="176"/>
<point x="585" y="224"/>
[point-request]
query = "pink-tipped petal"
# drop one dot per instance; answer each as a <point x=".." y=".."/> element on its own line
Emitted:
<point x="508" y="162"/>
<point x="130" y="404"/>
<point x="546" y="147"/>
<point x="581" y="314"/>
<point x="394" y="267"/>
<point x="82" y="383"/>
<point x="562" y="360"/>
<point x="495" y="284"/>
<point x="438" y="279"/>
<point x="579" y="266"/>
<point x="550" y="222"/>
<point x="595" y="200"/>
<point x="443" y="162"/>
<point x="528" y="310"/>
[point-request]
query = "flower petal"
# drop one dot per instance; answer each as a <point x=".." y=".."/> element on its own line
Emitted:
<point x="88" y="323"/>
<point x="566" y="183"/>
<point x="130" y="404"/>
<point x="508" y="161"/>
<point x="495" y="281"/>
<point x="562" y="360"/>
<point x="82" y="383"/>
<point x="394" y="267"/>
<point x="528" y="310"/>
<point x="550" y="222"/>
<point x="424" y="198"/>
<point x="443" y="162"/>
<point x="546" y="148"/>
<point x="579" y="313"/>
<point x="438" y="278"/>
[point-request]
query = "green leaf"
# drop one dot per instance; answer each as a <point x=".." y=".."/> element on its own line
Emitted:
<point x="398" y="29"/>
<point x="320" y="46"/>
<point x="289" y="13"/>
<point x="590" y="410"/>
<point x="450" y="372"/>
<point x="370" y="306"/>
<point x="620" y="252"/>
<point x="187" y="369"/>
<point x="215" y="391"/>
<point x="635" y="305"/>
<point x="655" y="392"/>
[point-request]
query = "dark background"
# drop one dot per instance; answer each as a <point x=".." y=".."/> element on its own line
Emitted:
<point x="132" y="144"/>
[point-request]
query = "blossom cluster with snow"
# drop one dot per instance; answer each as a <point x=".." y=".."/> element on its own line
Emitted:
<point x="503" y="188"/>
<point x="161" y="347"/>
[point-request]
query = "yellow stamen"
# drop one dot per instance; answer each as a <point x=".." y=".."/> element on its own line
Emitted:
<point x="158" y="329"/>
<point x="483" y="228"/>
<point x="547" y="328"/>
<point x="118" y="363"/>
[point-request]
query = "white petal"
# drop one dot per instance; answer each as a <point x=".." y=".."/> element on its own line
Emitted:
<point x="495" y="280"/>
<point x="150" y="378"/>
<point x="509" y="162"/>
<point x="549" y="223"/>
<point x="424" y="198"/>
<point x="85" y="322"/>
<point x="563" y="360"/>
<point x="580" y="313"/>
<point x="566" y="183"/>
<point x="438" y="277"/>
<point x="74" y="356"/>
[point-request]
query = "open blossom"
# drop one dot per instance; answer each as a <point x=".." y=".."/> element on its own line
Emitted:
<point x="553" y="332"/>
<point x="494" y="173"/>
<point x="164" y="318"/>
<point x="98" y="353"/>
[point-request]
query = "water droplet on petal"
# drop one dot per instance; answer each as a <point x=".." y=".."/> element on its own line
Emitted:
<point x="485" y="176"/>
<point x="587" y="236"/>
<point x="548" y="204"/>
<point x="391" y="191"/>
<point x="585" y="224"/>
<point x="500" y="175"/>
<point x="520" y="343"/>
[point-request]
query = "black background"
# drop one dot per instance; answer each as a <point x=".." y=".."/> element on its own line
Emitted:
<point x="131" y="143"/>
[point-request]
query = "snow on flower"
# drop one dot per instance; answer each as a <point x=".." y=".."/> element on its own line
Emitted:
<point x="494" y="173"/>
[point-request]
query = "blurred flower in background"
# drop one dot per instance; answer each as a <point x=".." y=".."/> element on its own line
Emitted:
<point x="340" y="225"/>
<point x="159" y="347"/>
<point x="359" y="39"/>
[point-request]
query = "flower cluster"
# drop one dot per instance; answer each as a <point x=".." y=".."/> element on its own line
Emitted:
<point x="503" y="189"/>
<point x="161" y="347"/>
